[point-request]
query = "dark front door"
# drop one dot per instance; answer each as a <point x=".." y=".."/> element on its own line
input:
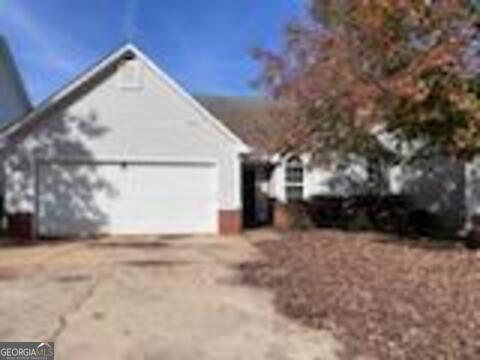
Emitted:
<point x="248" y="193"/>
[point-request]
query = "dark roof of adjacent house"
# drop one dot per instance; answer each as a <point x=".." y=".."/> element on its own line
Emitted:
<point x="11" y="77"/>
<point x="250" y="118"/>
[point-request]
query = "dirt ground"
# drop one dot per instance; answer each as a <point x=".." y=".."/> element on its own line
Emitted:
<point x="148" y="298"/>
<point x="383" y="297"/>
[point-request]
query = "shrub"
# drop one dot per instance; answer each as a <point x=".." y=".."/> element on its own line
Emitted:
<point x="299" y="217"/>
<point x="361" y="212"/>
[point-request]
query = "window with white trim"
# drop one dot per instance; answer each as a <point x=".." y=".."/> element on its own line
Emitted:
<point x="294" y="179"/>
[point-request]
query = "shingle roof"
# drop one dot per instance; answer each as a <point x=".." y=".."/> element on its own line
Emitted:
<point x="250" y="118"/>
<point x="11" y="85"/>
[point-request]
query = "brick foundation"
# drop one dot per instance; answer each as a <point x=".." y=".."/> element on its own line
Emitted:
<point x="281" y="219"/>
<point x="20" y="226"/>
<point x="230" y="222"/>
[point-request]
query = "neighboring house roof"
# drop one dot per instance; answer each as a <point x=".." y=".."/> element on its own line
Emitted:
<point x="255" y="121"/>
<point x="89" y="78"/>
<point x="14" y="101"/>
<point x="250" y="118"/>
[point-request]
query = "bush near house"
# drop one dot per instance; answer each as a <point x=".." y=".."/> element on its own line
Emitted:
<point x="393" y="214"/>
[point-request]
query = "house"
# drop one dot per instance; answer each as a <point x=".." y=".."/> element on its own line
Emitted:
<point x="442" y="186"/>
<point x="283" y="178"/>
<point x="123" y="149"/>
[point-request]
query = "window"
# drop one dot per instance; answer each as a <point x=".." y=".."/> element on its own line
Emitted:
<point x="294" y="193"/>
<point x="294" y="179"/>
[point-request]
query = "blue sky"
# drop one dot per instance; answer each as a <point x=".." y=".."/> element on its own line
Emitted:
<point x="202" y="44"/>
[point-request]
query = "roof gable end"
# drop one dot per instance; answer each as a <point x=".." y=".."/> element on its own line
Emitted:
<point x="190" y="100"/>
<point x="105" y="64"/>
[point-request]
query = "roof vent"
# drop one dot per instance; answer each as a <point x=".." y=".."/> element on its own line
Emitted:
<point x="129" y="56"/>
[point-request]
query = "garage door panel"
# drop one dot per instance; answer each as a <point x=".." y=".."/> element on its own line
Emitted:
<point x="127" y="199"/>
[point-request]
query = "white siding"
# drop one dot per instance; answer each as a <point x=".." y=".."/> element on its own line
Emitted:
<point x="109" y="122"/>
<point x="321" y="180"/>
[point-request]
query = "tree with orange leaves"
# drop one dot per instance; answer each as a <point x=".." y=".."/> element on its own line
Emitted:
<point x="357" y="68"/>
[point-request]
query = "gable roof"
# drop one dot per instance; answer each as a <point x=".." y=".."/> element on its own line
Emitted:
<point x="100" y="68"/>
<point x="250" y="118"/>
<point x="13" y="78"/>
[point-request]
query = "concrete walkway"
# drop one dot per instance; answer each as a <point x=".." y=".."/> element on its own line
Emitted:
<point x="148" y="298"/>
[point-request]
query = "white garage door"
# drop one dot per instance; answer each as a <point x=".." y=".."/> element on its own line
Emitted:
<point x="126" y="198"/>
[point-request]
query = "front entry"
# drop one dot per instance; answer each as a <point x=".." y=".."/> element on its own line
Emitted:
<point x="257" y="206"/>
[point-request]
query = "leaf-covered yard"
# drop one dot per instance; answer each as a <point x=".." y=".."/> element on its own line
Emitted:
<point x="384" y="298"/>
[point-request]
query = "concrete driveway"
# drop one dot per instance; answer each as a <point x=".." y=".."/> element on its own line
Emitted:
<point x="147" y="298"/>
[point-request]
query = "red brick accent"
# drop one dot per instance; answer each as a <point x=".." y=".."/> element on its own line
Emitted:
<point x="281" y="216"/>
<point x="20" y="226"/>
<point x="230" y="222"/>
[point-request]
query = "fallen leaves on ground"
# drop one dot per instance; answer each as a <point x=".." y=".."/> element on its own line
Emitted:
<point x="384" y="299"/>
